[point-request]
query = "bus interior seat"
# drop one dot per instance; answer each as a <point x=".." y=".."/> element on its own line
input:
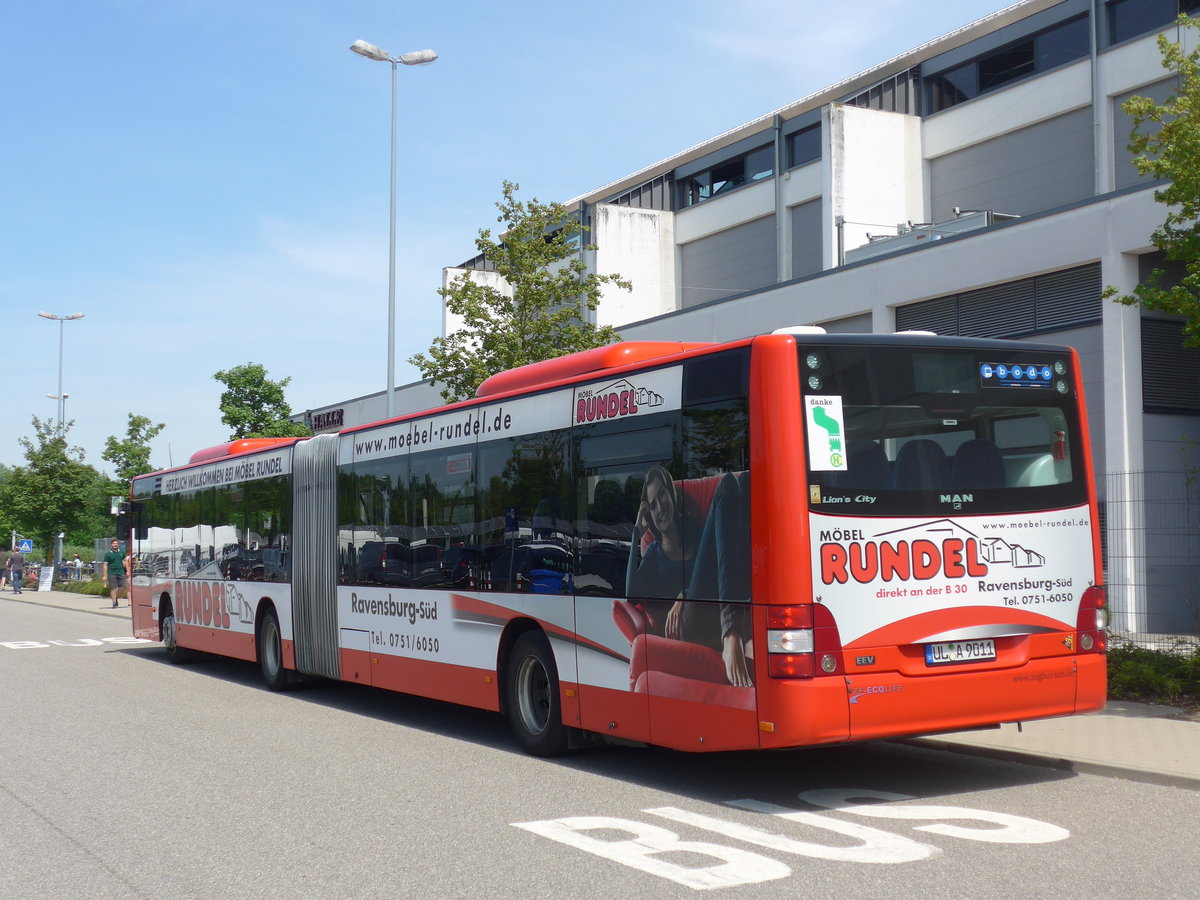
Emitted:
<point x="1038" y="473"/>
<point x="867" y="467"/>
<point x="978" y="464"/>
<point x="921" y="465"/>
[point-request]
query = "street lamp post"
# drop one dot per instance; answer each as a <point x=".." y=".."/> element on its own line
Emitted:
<point x="416" y="58"/>
<point x="60" y="396"/>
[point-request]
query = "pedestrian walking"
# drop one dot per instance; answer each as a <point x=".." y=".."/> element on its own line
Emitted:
<point x="114" y="572"/>
<point x="16" y="566"/>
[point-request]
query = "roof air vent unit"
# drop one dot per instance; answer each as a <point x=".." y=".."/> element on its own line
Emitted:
<point x="800" y="329"/>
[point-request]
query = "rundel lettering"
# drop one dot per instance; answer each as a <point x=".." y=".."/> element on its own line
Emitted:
<point x="867" y="561"/>
<point x="201" y="603"/>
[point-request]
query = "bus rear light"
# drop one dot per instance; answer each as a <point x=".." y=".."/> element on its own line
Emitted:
<point x="802" y="641"/>
<point x="798" y="640"/>
<point x="1092" y="621"/>
<point x="783" y="665"/>
<point x="789" y="617"/>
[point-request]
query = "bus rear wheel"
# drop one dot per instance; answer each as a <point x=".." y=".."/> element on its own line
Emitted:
<point x="270" y="653"/>
<point x="534" y="705"/>
<point x="170" y="638"/>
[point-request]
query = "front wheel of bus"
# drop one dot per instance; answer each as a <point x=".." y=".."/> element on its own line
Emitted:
<point x="270" y="653"/>
<point x="534" y="706"/>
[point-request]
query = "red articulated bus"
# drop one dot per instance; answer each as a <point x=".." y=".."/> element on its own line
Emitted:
<point x="794" y="539"/>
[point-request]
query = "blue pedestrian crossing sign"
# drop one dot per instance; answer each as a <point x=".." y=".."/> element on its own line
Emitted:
<point x="25" y="545"/>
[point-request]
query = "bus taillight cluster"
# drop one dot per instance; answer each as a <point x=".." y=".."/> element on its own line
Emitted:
<point x="1092" y="621"/>
<point x="802" y="642"/>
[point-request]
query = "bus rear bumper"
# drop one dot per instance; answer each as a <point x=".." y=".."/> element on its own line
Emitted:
<point x="887" y="705"/>
<point x="891" y="705"/>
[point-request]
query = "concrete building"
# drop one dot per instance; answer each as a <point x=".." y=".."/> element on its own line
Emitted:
<point x="978" y="184"/>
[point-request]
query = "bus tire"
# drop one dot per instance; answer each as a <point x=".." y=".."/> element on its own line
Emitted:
<point x="270" y="653"/>
<point x="170" y="638"/>
<point x="534" y="705"/>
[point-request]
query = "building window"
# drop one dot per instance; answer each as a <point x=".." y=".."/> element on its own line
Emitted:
<point x="895" y="94"/>
<point x="1058" y="46"/>
<point x="953" y="87"/>
<point x="653" y="194"/>
<point x="1048" y="49"/>
<point x="745" y="169"/>
<point x="1128" y="19"/>
<point x="1010" y="64"/>
<point x="804" y="146"/>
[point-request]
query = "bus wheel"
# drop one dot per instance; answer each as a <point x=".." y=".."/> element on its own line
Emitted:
<point x="170" y="638"/>
<point x="270" y="653"/>
<point x="534" y="707"/>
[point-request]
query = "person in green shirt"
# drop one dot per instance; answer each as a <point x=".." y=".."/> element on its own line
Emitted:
<point x="114" y="572"/>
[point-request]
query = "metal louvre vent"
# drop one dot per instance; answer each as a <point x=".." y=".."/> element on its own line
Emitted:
<point x="1070" y="298"/>
<point x="314" y="556"/>
<point x="997" y="311"/>
<point x="939" y="315"/>
<point x="1170" y="371"/>
<point x="1066" y="299"/>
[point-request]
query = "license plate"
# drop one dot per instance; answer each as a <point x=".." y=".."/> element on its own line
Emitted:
<point x="950" y="652"/>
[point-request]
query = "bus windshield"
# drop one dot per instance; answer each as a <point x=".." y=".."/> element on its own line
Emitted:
<point x="917" y="431"/>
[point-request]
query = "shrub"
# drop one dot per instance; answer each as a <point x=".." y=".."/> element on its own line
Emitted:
<point x="94" y="587"/>
<point x="1154" y="676"/>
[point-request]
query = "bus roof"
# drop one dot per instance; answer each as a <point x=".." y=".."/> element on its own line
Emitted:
<point x="244" y="445"/>
<point x="594" y="360"/>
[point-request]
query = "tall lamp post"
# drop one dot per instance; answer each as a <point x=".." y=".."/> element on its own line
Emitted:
<point x="60" y="396"/>
<point x="416" y="58"/>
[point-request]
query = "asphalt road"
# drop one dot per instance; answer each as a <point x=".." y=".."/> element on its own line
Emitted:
<point x="124" y="776"/>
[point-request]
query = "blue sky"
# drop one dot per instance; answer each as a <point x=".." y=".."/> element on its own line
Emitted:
<point x="206" y="180"/>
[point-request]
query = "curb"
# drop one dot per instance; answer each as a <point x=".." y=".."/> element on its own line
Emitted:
<point x="1049" y="761"/>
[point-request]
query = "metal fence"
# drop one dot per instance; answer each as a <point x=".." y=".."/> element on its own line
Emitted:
<point x="1150" y="535"/>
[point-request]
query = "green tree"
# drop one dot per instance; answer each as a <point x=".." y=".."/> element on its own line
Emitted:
<point x="97" y="520"/>
<point x="1166" y="145"/>
<point x="54" y="491"/>
<point x="7" y="523"/>
<point x="546" y="315"/>
<point x="131" y="456"/>
<point x="254" y="406"/>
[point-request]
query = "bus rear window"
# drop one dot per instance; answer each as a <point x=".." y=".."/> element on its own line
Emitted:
<point x="894" y="430"/>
